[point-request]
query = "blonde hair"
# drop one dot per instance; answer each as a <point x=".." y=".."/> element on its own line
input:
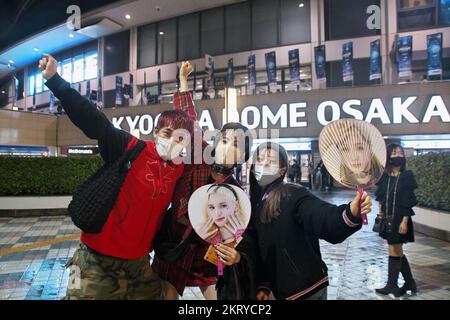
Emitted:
<point x="228" y="191"/>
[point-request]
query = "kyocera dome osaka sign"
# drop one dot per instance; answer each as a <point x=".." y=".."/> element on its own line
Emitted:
<point x="395" y="110"/>
<point x="293" y="115"/>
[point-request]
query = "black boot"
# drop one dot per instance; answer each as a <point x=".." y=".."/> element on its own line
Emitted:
<point x="409" y="284"/>
<point x="394" y="267"/>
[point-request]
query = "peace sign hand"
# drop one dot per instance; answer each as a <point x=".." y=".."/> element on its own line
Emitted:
<point x="236" y="226"/>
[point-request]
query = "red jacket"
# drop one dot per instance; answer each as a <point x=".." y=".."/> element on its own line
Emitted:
<point x="137" y="214"/>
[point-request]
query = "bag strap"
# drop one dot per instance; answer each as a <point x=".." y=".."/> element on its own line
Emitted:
<point x="136" y="151"/>
<point x="132" y="154"/>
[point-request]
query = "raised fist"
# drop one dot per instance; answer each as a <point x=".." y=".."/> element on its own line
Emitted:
<point x="48" y="65"/>
<point x="185" y="70"/>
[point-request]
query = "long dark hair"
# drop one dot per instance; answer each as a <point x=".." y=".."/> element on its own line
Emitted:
<point x="390" y="148"/>
<point x="276" y="190"/>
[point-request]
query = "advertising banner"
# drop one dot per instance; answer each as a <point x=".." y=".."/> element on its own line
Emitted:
<point x="404" y="56"/>
<point x="119" y="91"/>
<point x="375" y="60"/>
<point x="294" y="66"/>
<point x="271" y="68"/>
<point x="320" y="63"/>
<point x="347" y="61"/>
<point x="251" y="71"/>
<point x="209" y="68"/>
<point x="434" y="48"/>
<point x="230" y="73"/>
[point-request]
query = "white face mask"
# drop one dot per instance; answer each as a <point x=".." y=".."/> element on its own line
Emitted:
<point x="165" y="149"/>
<point x="265" y="175"/>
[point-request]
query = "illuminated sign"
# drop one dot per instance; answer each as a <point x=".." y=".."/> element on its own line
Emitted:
<point x="426" y="144"/>
<point x="80" y="151"/>
<point x="293" y="115"/>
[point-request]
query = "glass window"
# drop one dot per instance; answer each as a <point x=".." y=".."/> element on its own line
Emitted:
<point x="167" y="41"/>
<point x="147" y="46"/>
<point x="74" y="69"/>
<point x="240" y="79"/>
<point x="31" y="85"/>
<point x="67" y="70"/>
<point x="416" y="14"/>
<point x="212" y="40"/>
<point x="305" y="79"/>
<point x="237" y="27"/>
<point x="188" y="37"/>
<point x="415" y="4"/>
<point x="295" y="22"/>
<point x="78" y="69"/>
<point x="91" y="67"/>
<point x="39" y="82"/>
<point x="117" y="53"/>
<point x="348" y="19"/>
<point x="360" y="67"/>
<point x="20" y="76"/>
<point x="91" y="46"/>
<point x="264" y="23"/>
<point x="168" y="88"/>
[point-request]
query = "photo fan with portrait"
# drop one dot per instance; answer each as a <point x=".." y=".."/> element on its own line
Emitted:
<point x="219" y="213"/>
<point x="354" y="153"/>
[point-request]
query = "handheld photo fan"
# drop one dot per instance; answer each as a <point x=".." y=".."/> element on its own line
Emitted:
<point x="219" y="213"/>
<point x="354" y="153"/>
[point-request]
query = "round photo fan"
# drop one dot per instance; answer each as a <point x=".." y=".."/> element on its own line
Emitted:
<point x="354" y="153"/>
<point x="219" y="213"/>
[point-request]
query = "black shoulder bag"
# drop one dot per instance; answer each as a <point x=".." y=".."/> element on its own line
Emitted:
<point x="95" y="198"/>
<point x="166" y="249"/>
<point x="385" y="226"/>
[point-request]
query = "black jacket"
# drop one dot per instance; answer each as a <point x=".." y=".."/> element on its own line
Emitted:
<point x="405" y="200"/>
<point x="291" y="264"/>
<point x="94" y="124"/>
<point x="238" y="281"/>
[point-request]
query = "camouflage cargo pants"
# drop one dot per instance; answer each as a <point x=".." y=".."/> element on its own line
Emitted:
<point x="97" y="277"/>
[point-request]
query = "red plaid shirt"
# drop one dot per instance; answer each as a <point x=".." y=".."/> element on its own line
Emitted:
<point x="193" y="270"/>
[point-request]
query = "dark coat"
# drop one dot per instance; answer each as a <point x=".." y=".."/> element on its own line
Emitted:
<point x="405" y="200"/>
<point x="238" y="281"/>
<point x="291" y="263"/>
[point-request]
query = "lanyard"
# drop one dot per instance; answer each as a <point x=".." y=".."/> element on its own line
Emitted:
<point x="395" y="195"/>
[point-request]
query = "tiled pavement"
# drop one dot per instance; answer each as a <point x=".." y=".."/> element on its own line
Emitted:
<point x="356" y="266"/>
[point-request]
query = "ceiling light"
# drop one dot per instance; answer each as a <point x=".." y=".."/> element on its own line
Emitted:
<point x="36" y="49"/>
<point x="161" y="33"/>
<point x="11" y="61"/>
<point x="71" y="36"/>
<point x="127" y="16"/>
<point x="301" y="5"/>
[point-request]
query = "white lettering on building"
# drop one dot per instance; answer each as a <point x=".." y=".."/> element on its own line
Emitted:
<point x="293" y="115"/>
